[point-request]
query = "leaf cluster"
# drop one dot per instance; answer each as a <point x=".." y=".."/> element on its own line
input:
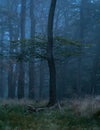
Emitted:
<point x="27" y="49"/>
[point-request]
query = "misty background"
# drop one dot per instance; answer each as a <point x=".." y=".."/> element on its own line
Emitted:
<point x="23" y="37"/>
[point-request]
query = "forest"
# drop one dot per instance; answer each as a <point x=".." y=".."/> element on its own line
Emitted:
<point x="49" y="64"/>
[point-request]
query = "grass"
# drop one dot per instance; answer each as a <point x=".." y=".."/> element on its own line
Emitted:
<point x="14" y="116"/>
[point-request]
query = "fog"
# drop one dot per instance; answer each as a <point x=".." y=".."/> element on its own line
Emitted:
<point x="24" y="71"/>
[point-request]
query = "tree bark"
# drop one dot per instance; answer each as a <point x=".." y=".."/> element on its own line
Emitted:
<point x="31" y="63"/>
<point x="50" y="56"/>
<point x="21" y="77"/>
<point x="11" y="86"/>
<point x="81" y="37"/>
<point x="1" y="65"/>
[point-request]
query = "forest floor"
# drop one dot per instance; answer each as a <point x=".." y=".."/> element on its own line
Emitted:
<point x="70" y="115"/>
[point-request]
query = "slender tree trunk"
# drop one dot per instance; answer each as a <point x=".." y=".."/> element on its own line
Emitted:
<point x="11" y="86"/>
<point x="50" y="56"/>
<point x="21" y="77"/>
<point x="96" y="67"/>
<point x="31" y="63"/>
<point x="1" y="65"/>
<point x="81" y="37"/>
<point x="31" y="80"/>
<point x="94" y="76"/>
<point x="1" y="79"/>
<point x="41" y="79"/>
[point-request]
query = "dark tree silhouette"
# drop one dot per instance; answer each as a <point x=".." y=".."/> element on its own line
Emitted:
<point x="31" y="63"/>
<point x="50" y="56"/>
<point x="21" y="65"/>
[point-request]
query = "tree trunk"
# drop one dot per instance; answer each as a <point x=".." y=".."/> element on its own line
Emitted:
<point x="50" y="56"/>
<point x="21" y="77"/>
<point x="1" y="65"/>
<point x="11" y="87"/>
<point x="96" y="66"/>
<point x="41" y="79"/>
<point x="31" y="63"/>
<point x="81" y="37"/>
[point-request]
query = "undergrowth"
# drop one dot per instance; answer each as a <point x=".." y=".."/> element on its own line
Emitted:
<point x="16" y="117"/>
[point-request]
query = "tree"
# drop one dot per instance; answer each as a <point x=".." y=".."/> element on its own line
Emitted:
<point x="11" y="87"/>
<point x="22" y="37"/>
<point x="31" y="62"/>
<point x="1" y="63"/>
<point x="11" y="77"/>
<point x="95" y="75"/>
<point x="82" y="24"/>
<point x="50" y="56"/>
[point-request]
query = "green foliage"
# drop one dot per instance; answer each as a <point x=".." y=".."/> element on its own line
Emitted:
<point x="15" y="117"/>
<point x="27" y="49"/>
<point x="65" y="41"/>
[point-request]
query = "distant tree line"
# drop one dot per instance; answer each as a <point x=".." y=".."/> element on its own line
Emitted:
<point x="49" y="49"/>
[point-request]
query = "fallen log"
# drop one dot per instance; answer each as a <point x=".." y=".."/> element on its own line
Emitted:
<point x="31" y="109"/>
<point x="35" y="109"/>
